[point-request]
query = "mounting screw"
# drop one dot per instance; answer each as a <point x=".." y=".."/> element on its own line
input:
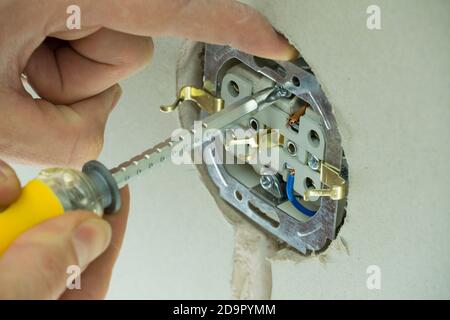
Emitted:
<point x="283" y="92"/>
<point x="266" y="182"/>
<point x="278" y="93"/>
<point x="313" y="162"/>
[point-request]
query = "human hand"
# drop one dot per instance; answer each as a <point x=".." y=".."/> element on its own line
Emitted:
<point x="75" y="71"/>
<point x="35" y="265"/>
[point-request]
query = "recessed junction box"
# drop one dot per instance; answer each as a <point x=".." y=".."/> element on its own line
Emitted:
<point x="300" y="198"/>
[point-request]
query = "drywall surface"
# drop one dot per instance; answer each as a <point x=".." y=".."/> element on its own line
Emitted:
<point x="390" y="91"/>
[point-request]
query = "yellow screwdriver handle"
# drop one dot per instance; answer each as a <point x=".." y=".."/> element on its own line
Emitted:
<point x="36" y="203"/>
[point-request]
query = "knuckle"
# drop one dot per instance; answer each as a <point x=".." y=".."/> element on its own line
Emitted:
<point x="85" y="142"/>
<point x="90" y="147"/>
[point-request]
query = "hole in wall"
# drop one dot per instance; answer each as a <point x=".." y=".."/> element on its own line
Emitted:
<point x="312" y="137"/>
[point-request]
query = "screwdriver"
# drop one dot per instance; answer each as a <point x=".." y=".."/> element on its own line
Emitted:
<point x="95" y="188"/>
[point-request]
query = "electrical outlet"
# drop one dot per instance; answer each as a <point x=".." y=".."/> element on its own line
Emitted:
<point x="301" y="197"/>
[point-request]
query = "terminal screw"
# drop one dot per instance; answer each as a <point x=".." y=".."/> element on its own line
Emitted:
<point x="313" y="162"/>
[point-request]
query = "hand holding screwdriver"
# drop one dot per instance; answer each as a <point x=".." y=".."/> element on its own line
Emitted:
<point x="35" y="265"/>
<point x="96" y="189"/>
<point x="75" y="73"/>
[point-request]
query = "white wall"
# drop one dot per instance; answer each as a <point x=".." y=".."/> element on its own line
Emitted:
<point x="390" y="91"/>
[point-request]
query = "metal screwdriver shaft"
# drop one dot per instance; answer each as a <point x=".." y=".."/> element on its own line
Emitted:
<point x="162" y="153"/>
<point x="96" y="188"/>
<point x="137" y="165"/>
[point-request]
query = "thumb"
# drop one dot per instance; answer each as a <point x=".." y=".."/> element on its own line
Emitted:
<point x="36" y="265"/>
<point x="9" y="185"/>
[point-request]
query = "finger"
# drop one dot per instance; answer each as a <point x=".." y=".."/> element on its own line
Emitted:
<point x="215" y="21"/>
<point x="72" y="71"/>
<point x="44" y="133"/>
<point x="9" y="185"/>
<point x="96" y="278"/>
<point x="36" y="264"/>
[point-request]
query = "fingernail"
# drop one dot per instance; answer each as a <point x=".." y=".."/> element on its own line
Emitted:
<point x="290" y="53"/>
<point x="5" y="172"/>
<point x="117" y="96"/>
<point x="90" y="239"/>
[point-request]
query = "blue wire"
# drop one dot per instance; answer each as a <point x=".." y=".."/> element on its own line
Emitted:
<point x="293" y="199"/>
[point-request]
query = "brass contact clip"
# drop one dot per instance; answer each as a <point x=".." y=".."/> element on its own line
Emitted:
<point x="203" y="99"/>
<point x="329" y="176"/>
